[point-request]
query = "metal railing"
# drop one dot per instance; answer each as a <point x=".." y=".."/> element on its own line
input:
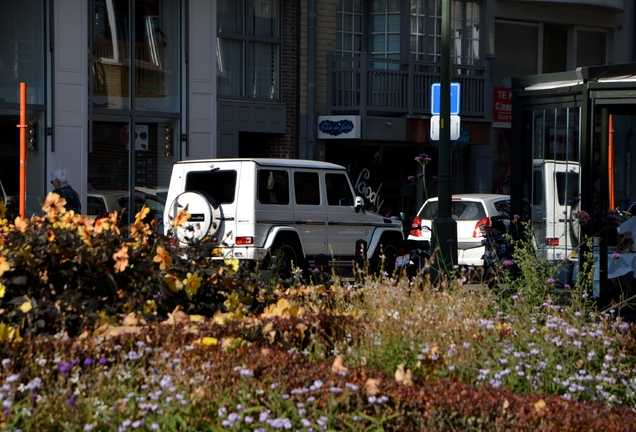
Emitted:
<point x="375" y="86"/>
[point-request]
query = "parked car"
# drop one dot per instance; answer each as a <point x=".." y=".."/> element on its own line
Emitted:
<point x="305" y="209"/>
<point x="102" y="202"/>
<point x="471" y="212"/>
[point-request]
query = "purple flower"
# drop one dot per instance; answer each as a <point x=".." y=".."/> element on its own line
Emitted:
<point x="410" y="178"/>
<point x="515" y="218"/>
<point x="450" y="241"/>
<point x="508" y="262"/>
<point x="420" y="175"/>
<point x="88" y="362"/>
<point x="64" y="367"/>
<point x="71" y="400"/>
<point x="550" y="281"/>
<point x="616" y="255"/>
<point x="103" y="361"/>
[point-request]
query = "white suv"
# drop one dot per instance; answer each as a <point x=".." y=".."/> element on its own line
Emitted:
<point x="306" y="209"/>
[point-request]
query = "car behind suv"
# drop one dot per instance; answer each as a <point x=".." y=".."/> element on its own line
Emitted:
<point x="471" y="212"/>
<point x="306" y="209"/>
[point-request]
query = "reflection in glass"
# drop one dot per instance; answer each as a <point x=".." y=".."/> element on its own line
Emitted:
<point x="22" y="50"/>
<point x="154" y="48"/>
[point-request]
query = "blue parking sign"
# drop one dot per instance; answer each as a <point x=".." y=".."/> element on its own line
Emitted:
<point x="435" y="98"/>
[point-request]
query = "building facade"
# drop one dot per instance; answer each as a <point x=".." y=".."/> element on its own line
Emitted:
<point x="118" y="90"/>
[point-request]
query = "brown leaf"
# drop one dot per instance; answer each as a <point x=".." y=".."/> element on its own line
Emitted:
<point x="269" y="333"/>
<point x="118" y="331"/>
<point x="506" y="404"/>
<point x="372" y="386"/>
<point x="132" y="319"/>
<point x="403" y="377"/>
<point x="540" y="406"/>
<point x="299" y="330"/>
<point x="338" y="365"/>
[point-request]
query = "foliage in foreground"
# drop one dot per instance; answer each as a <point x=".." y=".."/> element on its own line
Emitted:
<point x="170" y="378"/>
<point x="389" y="353"/>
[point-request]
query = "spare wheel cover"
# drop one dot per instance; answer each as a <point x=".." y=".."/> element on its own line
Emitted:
<point x="205" y="216"/>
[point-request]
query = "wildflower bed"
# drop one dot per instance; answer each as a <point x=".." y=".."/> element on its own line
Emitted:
<point x="101" y="332"/>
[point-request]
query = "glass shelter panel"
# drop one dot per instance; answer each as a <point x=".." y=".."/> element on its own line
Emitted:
<point x="556" y="182"/>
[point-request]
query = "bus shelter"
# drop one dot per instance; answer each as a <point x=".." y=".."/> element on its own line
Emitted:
<point x="575" y="157"/>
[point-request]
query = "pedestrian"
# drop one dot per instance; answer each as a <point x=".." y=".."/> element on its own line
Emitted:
<point x="63" y="189"/>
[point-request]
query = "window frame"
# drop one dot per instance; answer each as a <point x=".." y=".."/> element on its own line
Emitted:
<point x="248" y="42"/>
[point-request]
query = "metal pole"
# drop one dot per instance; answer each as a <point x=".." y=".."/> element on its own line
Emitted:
<point x="444" y="226"/>
<point x="23" y="151"/>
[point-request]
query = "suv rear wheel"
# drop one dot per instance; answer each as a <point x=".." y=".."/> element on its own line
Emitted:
<point x="286" y="255"/>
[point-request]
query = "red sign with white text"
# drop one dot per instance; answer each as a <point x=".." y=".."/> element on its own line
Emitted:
<point x="502" y="105"/>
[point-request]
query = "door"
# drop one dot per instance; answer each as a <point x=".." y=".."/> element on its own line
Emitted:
<point x="309" y="212"/>
<point x="345" y="225"/>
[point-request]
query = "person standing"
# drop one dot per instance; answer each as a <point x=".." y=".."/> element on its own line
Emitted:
<point x="63" y="189"/>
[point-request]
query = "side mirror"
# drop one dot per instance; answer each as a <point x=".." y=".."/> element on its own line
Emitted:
<point x="359" y="204"/>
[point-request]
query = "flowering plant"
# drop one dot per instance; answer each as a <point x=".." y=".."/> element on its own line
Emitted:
<point x="66" y="272"/>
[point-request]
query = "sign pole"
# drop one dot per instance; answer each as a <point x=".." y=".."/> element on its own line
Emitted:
<point x="23" y="126"/>
<point x="444" y="226"/>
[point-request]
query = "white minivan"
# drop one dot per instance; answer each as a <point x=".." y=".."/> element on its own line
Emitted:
<point x="305" y="208"/>
<point x="555" y="203"/>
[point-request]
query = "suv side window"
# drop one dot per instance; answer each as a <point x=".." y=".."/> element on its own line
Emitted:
<point x="307" y="188"/>
<point x="220" y="185"/>
<point x="273" y="186"/>
<point x="338" y="190"/>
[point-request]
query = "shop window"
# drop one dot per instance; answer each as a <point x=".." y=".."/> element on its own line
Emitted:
<point x="22" y="50"/>
<point x="591" y="48"/>
<point x="248" y="49"/>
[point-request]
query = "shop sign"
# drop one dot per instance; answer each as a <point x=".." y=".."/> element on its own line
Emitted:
<point x="502" y="105"/>
<point x="339" y="127"/>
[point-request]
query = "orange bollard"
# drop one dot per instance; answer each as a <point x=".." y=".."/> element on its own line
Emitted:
<point x="22" y="127"/>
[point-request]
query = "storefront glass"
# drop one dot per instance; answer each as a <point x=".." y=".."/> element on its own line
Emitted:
<point x="22" y="50"/>
<point x="134" y="140"/>
<point x="151" y="44"/>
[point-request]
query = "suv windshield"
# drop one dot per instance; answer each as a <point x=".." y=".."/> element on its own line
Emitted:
<point x="219" y="185"/>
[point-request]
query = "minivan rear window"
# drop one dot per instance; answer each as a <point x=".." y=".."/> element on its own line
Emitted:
<point x="220" y="185"/>
<point x="460" y="210"/>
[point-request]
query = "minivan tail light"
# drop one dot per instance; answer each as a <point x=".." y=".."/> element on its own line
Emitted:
<point x="244" y="240"/>
<point x="481" y="225"/>
<point x="416" y="227"/>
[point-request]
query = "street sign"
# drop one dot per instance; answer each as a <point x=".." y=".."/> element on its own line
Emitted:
<point x="454" y="127"/>
<point x="435" y="98"/>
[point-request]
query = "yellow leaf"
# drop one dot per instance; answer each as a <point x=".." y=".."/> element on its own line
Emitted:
<point x="26" y="306"/>
<point x="209" y="341"/>
<point x="338" y="365"/>
<point x="197" y="318"/>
